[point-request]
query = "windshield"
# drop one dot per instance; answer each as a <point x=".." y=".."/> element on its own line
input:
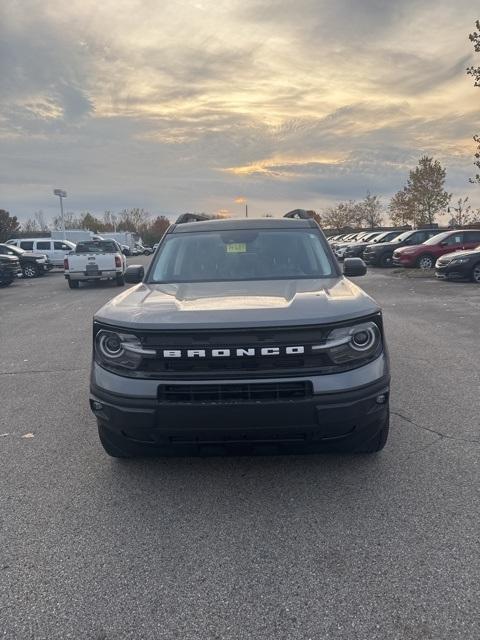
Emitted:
<point x="97" y="246"/>
<point x="403" y="236"/>
<point x="15" y="249"/>
<point x="381" y="237"/>
<point x="264" y="254"/>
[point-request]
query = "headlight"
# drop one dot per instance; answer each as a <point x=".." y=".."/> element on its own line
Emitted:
<point x="460" y="260"/>
<point x="362" y="341"/>
<point x="40" y="260"/>
<point x="120" y="350"/>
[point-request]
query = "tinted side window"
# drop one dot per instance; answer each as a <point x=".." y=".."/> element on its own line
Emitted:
<point x="27" y="245"/>
<point x="59" y="246"/>
<point x="422" y="236"/>
<point x="472" y="236"/>
<point x="416" y="238"/>
<point x="456" y="238"/>
<point x="43" y="245"/>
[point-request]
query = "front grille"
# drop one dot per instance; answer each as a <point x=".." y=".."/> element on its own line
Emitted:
<point x="211" y="367"/>
<point x="233" y="393"/>
<point x="214" y="367"/>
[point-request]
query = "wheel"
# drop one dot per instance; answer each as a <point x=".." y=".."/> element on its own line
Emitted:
<point x="426" y="261"/>
<point x="30" y="271"/>
<point x="73" y="284"/>
<point x="120" y="280"/>
<point x="378" y="442"/>
<point x="146" y="252"/>
<point x="108" y="443"/>
<point x="385" y="260"/>
<point x="476" y="273"/>
<point x="6" y="283"/>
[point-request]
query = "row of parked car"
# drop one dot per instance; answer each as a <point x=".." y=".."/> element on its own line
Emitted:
<point x="34" y="257"/>
<point x="455" y="254"/>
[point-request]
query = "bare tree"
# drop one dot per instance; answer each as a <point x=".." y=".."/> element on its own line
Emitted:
<point x="110" y="220"/>
<point x="30" y="226"/>
<point x="475" y="72"/>
<point x="344" y="214"/>
<point x="370" y="211"/>
<point x="40" y="220"/>
<point x="134" y="220"/>
<point x="462" y="213"/>
<point x="71" y="222"/>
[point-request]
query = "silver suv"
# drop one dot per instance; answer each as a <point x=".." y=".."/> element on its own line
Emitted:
<point x="242" y="335"/>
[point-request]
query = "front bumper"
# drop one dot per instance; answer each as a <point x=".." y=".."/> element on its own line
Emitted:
<point x="335" y="418"/>
<point x="453" y="271"/>
<point x="403" y="260"/>
<point x="371" y="258"/>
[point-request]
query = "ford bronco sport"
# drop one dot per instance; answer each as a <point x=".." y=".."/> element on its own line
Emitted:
<point x="242" y="335"/>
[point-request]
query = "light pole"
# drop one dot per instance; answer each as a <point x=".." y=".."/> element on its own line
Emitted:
<point x="243" y="201"/>
<point x="61" y="194"/>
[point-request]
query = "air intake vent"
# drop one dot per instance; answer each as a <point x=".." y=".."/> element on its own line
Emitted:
<point x="233" y="393"/>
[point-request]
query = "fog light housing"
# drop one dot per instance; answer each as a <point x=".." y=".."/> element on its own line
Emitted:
<point x="97" y="406"/>
<point x="381" y="399"/>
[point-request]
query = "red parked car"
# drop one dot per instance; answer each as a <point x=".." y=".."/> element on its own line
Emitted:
<point x="425" y="255"/>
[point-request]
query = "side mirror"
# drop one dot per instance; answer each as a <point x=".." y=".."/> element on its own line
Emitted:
<point x="354" y="267"/>
<point x="134" y="274"/>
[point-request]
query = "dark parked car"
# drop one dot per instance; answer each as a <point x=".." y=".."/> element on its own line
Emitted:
<point x="357" y="249"/>
<point x="461" y="265"/>
<point x="32" y="264"/>
<point x="425" y="255"/>
<point x="9" y="269"/>
<point x="380" y="254"/>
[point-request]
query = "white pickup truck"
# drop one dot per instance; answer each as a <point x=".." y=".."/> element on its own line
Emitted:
<point x="95" y="260"/>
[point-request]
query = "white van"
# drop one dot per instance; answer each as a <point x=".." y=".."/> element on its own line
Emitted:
<point x="54" y="249"/>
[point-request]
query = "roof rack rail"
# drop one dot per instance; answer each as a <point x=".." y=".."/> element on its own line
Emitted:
<point x="303" y="214"/>
<point x="192" y="217"/>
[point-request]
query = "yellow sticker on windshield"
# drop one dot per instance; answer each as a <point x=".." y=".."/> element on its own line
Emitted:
<point x="236" y="247"/>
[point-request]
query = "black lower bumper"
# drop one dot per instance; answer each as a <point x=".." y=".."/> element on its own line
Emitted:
<point x="318" y="422"/>
<point x="458" y="272"/>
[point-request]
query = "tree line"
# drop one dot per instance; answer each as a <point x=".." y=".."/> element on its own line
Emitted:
<point x="149" y="228"/>
<point x="421" y="201"/>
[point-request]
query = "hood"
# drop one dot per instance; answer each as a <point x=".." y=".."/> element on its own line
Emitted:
<point x="237" y="304"/>
<point x="403" y="249"/>
<point x="384" y="245"/>
<point x="33" y="254"/>
<point x="455" y="254"/>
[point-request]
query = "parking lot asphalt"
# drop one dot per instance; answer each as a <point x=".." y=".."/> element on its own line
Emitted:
<point x="309" y="547"/>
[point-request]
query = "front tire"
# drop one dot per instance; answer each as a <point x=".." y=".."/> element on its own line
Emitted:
<point x="385" y="260"/>
<point x="426" y="261"/>
<point x="6" y="283"/>
<point x="30" y="271"/>
<point x="476" y="273"/>
<point x="378" y="442"/>
<point x="73" y="284"/>
<point x="120" y="280"/>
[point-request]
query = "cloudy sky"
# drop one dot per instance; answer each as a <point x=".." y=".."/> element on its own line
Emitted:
<point x="186" y="105"/>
